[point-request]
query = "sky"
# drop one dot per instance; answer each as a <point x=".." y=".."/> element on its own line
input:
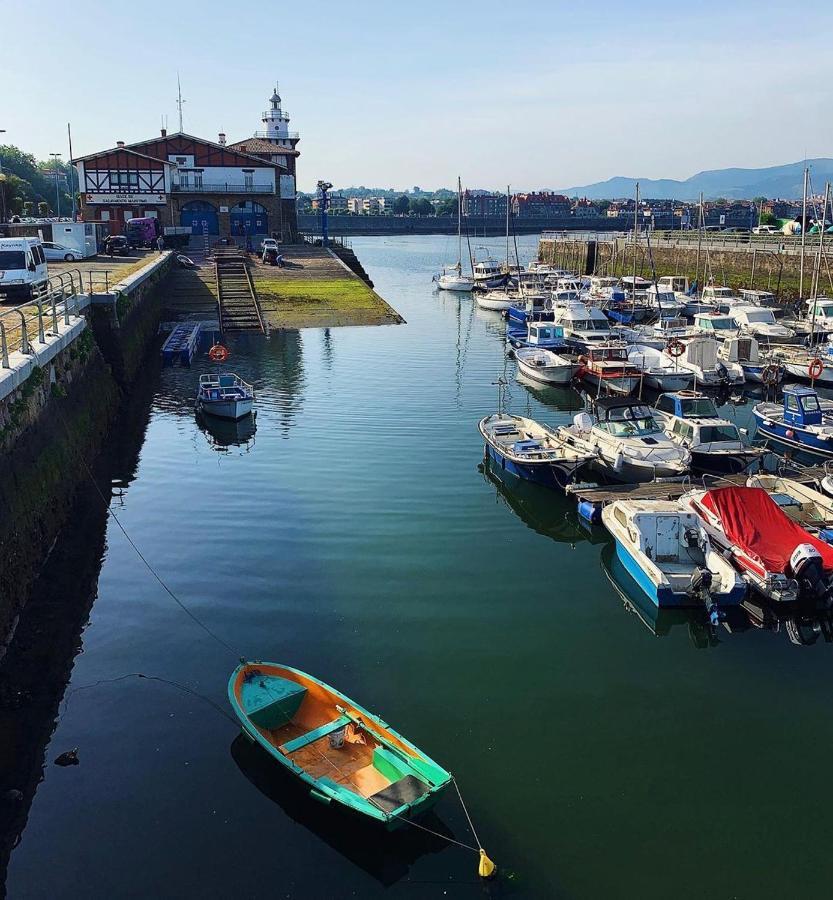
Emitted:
<point x="545" y="94"/>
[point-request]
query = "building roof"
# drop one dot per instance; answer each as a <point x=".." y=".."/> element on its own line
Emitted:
<point x="227" y="148"/>
<point x="124" y="149"/>
<point x="260" y="145"/>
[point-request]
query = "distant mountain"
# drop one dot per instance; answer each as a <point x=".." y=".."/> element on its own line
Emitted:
<point x="785" y="182"/>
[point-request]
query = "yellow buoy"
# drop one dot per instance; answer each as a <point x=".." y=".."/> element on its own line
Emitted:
<point x="486" y="868"/>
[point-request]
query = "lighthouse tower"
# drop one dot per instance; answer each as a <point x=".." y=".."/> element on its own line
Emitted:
<point x="276" y="123"/>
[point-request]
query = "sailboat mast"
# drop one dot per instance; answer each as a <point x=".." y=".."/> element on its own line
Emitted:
<point x="803" y="235"/>
<point x="699" y="244"/>
<point x="459" y="226"/>
<point x="507" y="226"/>
<point x="635" y="230"/>
<point x="817" y="272"/>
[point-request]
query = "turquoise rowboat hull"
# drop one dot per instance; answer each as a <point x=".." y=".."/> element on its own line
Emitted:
<point x="344" y="753"/>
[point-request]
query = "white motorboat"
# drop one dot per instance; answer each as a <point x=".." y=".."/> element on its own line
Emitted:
<point x="545" y="366"/>
<point x="716" y="324"/>
<point x="762" y="368"/>
<point x="679" y="286"/>
<point x="606" y="366"/>
<point x="497" y="300"/>
<point x="658" y="370"/>
<point x="699" y="355"/>
<point x="489" y="273"/>
<point x="720" y="298"/>
<point x="800" y="363"/>
<point x="667" y="551"/>
<point x="583" y="324"/>
<point x="629" y="444"/>
<point x="759" y="321"/>
<point x="225" y="395"/>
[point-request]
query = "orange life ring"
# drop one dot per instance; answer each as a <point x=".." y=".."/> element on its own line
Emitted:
<point x="815" y="368"/>
<point x="218" y="353"/>
<point x="675" y="347"/>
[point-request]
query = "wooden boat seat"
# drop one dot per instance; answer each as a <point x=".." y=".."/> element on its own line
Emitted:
<point x="314" y="735"/>
<point x="271" y="704"/>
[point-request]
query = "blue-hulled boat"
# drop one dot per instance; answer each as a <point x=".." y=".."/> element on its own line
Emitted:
<point x="532" y="307"/>
<point x="666" y="550"/>
<point x="540" y="335"/>
<point x="799" y="422"/>
<point x="531" y="451"/>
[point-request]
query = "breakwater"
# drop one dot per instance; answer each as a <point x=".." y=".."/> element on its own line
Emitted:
<point x="478" y="226"/>
<point x="771" y="266"/>
<point x="61" y="393"/>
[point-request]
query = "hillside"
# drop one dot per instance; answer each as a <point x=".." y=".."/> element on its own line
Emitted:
<point x="733" y="184"/>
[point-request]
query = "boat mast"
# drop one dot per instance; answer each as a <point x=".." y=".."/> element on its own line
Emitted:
<point x="507" y="227"/>
<point x="817" y="271"/>
<point x="635" y="227"/>
<point x="459" y="227"/>
<point x="803" y="236"/>
<point x="699" y="243"/>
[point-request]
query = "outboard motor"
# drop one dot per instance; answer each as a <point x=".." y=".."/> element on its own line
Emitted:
<point x="700" y="587"/>
<point x="807" y="568"/>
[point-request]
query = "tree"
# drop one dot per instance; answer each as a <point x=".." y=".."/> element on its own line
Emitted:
<point x="422" y="207"/>
<point x="43" y="209"/>
<point x="401" y="205"/>
<point x="768" y="218"/>
<point x="447" y="208"/>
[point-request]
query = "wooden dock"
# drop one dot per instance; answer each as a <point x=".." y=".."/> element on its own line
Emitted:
<point x="601" y="494"/>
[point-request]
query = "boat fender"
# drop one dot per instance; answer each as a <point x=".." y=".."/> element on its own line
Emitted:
<point x="321" y="798"/>
<point x="588" y="511"/>
<point x="790" y="433"/>
<point x="619" y="461"/>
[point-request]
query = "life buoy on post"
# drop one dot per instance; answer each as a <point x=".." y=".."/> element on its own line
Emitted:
<point x="815" y="368"/>
<point x="771" y="374"/>
<point x="675" y="347"/>
<point x="218" y="353"/>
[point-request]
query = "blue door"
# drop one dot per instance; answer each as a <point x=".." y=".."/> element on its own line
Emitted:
<point x="200" y="216"/>
<point x="248" y="218"/>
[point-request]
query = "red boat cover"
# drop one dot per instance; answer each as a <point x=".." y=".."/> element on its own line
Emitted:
<point x="755" y="522"/>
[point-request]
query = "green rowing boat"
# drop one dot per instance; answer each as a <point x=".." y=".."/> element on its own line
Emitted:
<point x="343" y="752"/>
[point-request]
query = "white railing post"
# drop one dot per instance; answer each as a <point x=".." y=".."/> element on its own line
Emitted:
<point x="4" y="347"/>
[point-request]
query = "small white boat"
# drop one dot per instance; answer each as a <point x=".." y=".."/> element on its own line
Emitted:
<point x="225" y="395"/>
<point x="720" y="298"/>
<point x="759" y="322"/>
<point x="807" y="365"/>
<point x="452" y="277"/>
<point x="762" y="368"/>
<point x="699" y="355"/>
<point x="489" y="273"/>
<point x="545" y="366"/>
<point x="812" y="509"/>
<point x="658" y="370"/>
<point x="718" y="325"/>
<point x="497" y="300"/>
<point x="629" y="444"/>
<point x="607" y="368"/>
<point x="667" y="551"/>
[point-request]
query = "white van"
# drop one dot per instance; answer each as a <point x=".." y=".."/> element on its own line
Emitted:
<point x="22" y="267"/>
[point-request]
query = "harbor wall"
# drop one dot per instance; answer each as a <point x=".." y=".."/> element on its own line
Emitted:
<point x="478" y="226"/>
<point x="775" y="269"/>
<point x="54" y="423"/>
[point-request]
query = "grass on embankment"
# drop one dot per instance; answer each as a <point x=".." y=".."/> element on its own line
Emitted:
<point x="289" y="302"/>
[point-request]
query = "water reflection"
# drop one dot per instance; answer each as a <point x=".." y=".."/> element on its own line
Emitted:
<point x="387" y="857"/>
<point x="37" y="666"/>
<point x="547" y="512"/>
<point x="222" y="434"/>
<point x="801" y="629"/>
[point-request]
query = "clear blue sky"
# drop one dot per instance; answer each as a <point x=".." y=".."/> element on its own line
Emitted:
<point x="387" y="94"/>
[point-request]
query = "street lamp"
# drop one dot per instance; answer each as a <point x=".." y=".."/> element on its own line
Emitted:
<point x="323" y="187"/>
<point x="57" y="194"/>
<point x="3" y="188"/>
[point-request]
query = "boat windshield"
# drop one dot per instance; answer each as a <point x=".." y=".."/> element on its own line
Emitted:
<point x="765" y="316"/>
<point x="810" y="404"/>
<point x="701" y="406"/>
<point x="630" y="421"/>
<point x="711" y="434"/>
<point x="718" y="292"/>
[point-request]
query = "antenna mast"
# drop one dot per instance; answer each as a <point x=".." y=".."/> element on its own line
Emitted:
<point x="179" y="100"/>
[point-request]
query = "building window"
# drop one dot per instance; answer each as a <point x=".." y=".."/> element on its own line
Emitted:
<point x="183" y="180"/>
<point x="248" y="180"/>
<point x="105" y="215"/>
<point x="197" y="179"/>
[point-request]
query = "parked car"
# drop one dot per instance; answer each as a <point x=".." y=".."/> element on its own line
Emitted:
<point x="766" y="229"/>
<point x="116" y="245"/>
<point x="269" y="244"/>
<point x="737" y="229"/>
<point x="55" y="252"/>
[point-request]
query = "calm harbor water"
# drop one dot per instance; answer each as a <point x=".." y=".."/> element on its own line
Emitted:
<point x="603" y="752"/>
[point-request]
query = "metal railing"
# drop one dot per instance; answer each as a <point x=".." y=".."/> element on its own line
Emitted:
<point x="289" y="136"/>
<point x="40" y="314"/>
<point x="226" y="188"/>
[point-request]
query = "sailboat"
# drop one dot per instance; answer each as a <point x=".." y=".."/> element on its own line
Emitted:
<point x="452" y="277"/>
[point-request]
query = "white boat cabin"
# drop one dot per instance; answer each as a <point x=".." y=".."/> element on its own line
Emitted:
<point x="543" y="334"/>
<point x="676" y="284"/>
<point x="757" y="298"/>
<point x="718" y="325"/>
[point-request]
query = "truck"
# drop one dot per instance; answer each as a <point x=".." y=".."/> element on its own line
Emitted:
<point x="143" y="232"/>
